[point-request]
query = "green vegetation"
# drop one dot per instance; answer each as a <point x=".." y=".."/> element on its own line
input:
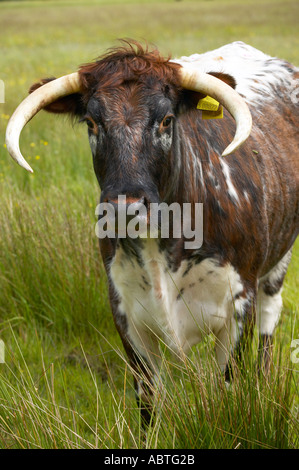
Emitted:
<point x="65" y="382"/>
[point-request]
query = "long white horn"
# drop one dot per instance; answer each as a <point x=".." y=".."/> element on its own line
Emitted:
<point x="192" y="79"/>
<point x="31" y="105"/>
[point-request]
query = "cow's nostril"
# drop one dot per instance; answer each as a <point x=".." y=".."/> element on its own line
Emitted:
<point x="125" y="208"/>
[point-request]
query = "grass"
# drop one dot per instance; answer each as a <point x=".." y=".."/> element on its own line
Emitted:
<point x="65" y="382"/>
<point x="195" y="410"/>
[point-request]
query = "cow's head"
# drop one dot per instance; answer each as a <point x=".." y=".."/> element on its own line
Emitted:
<point x="130" y="100"/>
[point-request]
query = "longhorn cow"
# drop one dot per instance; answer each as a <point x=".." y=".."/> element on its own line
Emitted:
<point x="150" y="143"/>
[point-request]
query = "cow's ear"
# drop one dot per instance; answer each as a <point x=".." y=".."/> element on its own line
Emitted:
<point x="226" y="78"/>
<point x="71" y="104"/>
<point x="189" y="99"/>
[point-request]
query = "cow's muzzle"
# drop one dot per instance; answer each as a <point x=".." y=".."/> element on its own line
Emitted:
<point x="127" y="216"/>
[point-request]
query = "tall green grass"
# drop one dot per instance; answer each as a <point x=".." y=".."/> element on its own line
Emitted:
<point x="65" y="382"/>
<point x="194" y="409"/>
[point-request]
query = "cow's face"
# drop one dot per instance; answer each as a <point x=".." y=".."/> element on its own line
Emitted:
<point x="131" y="133"/>
<point x="131" y="102"/>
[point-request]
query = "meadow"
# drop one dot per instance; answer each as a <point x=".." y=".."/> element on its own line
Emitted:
<point x="65" y="382"/>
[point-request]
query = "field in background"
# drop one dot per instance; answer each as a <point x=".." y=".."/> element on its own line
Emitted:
<point x="65" y="383"/>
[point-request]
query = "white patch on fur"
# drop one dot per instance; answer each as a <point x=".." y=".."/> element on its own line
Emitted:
<point x="93" y="142"/>
<point x="179" y="309"/>
<point x="257" y="74"/>
<point x="231" y="189"/>
<point x="164" y="139"/>
<point x="226" y="341"/>
<point x="228" y="337"/>
<point x="269" y="308"/>
<point x="194" y="160"/>
<point x="279" y="270"/>
<point x="245" y="193"/>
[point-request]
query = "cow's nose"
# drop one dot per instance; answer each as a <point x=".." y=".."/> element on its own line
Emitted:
<point x="128" y="208"/>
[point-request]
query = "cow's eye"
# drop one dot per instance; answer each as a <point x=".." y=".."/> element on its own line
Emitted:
<point x="166" y="123"/>
<point x="90" y="124"/>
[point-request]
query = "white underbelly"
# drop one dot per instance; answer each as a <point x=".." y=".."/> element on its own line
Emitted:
<point x="179" y="308"/>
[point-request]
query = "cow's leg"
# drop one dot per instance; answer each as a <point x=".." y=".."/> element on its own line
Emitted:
<point x="142" y="350"/>
<point x="144" y="360"/>
<point x="269" y="308"/>
<point x="145" y="383"/>
<point x="235" y="338"/>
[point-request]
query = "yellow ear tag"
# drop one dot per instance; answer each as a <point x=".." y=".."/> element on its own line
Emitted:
<point x="208" y="104"/>
<point x="211" y="109"/>
<point x="213" y="114"/>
